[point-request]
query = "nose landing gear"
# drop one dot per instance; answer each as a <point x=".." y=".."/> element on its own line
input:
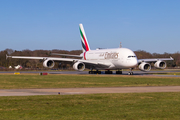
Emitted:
<point x="130" y="73"/>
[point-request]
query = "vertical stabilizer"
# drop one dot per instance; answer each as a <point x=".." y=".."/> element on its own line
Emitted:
<point x="85" y="45"/>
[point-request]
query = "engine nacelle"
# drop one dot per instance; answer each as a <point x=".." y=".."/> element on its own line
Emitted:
<point x="79" y="66"/>
<point x="145" y="66"/>
<point x="48" y="63"/>
<point x="160" y="64"/>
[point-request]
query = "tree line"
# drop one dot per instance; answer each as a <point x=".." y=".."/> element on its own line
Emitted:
<point x="37" y="64"/>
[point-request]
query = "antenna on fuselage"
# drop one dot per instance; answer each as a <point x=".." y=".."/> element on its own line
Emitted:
<point x="120" y="45"/>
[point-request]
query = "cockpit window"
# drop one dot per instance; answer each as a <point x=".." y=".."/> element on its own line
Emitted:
<point x="131" y="56"/>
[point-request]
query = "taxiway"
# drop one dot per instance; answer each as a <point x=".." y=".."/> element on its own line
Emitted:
<point x="72" y="91"/>
<point x="86" y="72"/>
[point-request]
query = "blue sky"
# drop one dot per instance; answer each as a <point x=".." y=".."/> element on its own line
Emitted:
<point x="150" y="25"/>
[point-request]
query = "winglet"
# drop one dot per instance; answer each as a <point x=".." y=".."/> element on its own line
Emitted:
<point x="6" y="56"/>
<point x="171" y="58"/>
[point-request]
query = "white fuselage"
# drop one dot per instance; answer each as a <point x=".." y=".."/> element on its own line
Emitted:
<point x="118" y="58"/>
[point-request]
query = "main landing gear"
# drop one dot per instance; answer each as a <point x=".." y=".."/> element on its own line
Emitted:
<point x="106" y="72"/>
<point x="95" y="72"/>
<point x="99" y="72"/>
<point x="110" y="72"/>
<point x="119" y="72"/>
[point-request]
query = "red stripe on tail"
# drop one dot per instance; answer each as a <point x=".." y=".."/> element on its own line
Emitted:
<point x="86" y="45"/>
<point x="84" y="55"/>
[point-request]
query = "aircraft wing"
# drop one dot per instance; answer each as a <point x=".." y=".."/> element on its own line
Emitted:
<point x="87" y="62"/>
<point x="154" y="59"/>
<point x="43" y="58"/>
<point x="78" y="56"/>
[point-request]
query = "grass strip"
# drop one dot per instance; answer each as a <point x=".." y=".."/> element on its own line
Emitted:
<point x="81" y="81"/>
<point x="129" y="106"/>
<point x="174" y="73"/>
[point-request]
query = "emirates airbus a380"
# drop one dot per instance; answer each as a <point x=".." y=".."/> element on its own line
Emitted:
<point x="102" y="59"/>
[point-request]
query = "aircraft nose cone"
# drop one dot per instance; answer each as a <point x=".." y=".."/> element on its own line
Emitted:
<point x="134" y="62"/>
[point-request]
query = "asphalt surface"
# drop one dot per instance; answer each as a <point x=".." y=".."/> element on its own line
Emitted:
<point x="136" y="73"/>
<point x="86" y="72"/>
<point x="72" y="91"/>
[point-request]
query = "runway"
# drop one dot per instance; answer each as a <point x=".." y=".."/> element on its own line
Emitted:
<point x="73" y="91"/>
<point x="149" y="73"/>
<point x="86" y="72"/>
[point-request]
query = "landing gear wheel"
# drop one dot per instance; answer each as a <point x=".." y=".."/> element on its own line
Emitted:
<point x="118" y="72"/>
<point x="91" y="72"/>
<point x="94" y="72"/>
<point x="108" y="72"/>
<point x="130" y="73"/>
<point x="99" y="72"/>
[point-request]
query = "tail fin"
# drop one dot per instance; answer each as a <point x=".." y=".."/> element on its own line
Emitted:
<point x="85" y="45"/>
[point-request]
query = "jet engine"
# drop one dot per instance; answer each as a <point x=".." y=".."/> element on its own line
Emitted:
<point x="160" y="64"/>
<point x="79" y="66"/>
<point x="48" y="63"/>
<point x="145" y="66"/>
